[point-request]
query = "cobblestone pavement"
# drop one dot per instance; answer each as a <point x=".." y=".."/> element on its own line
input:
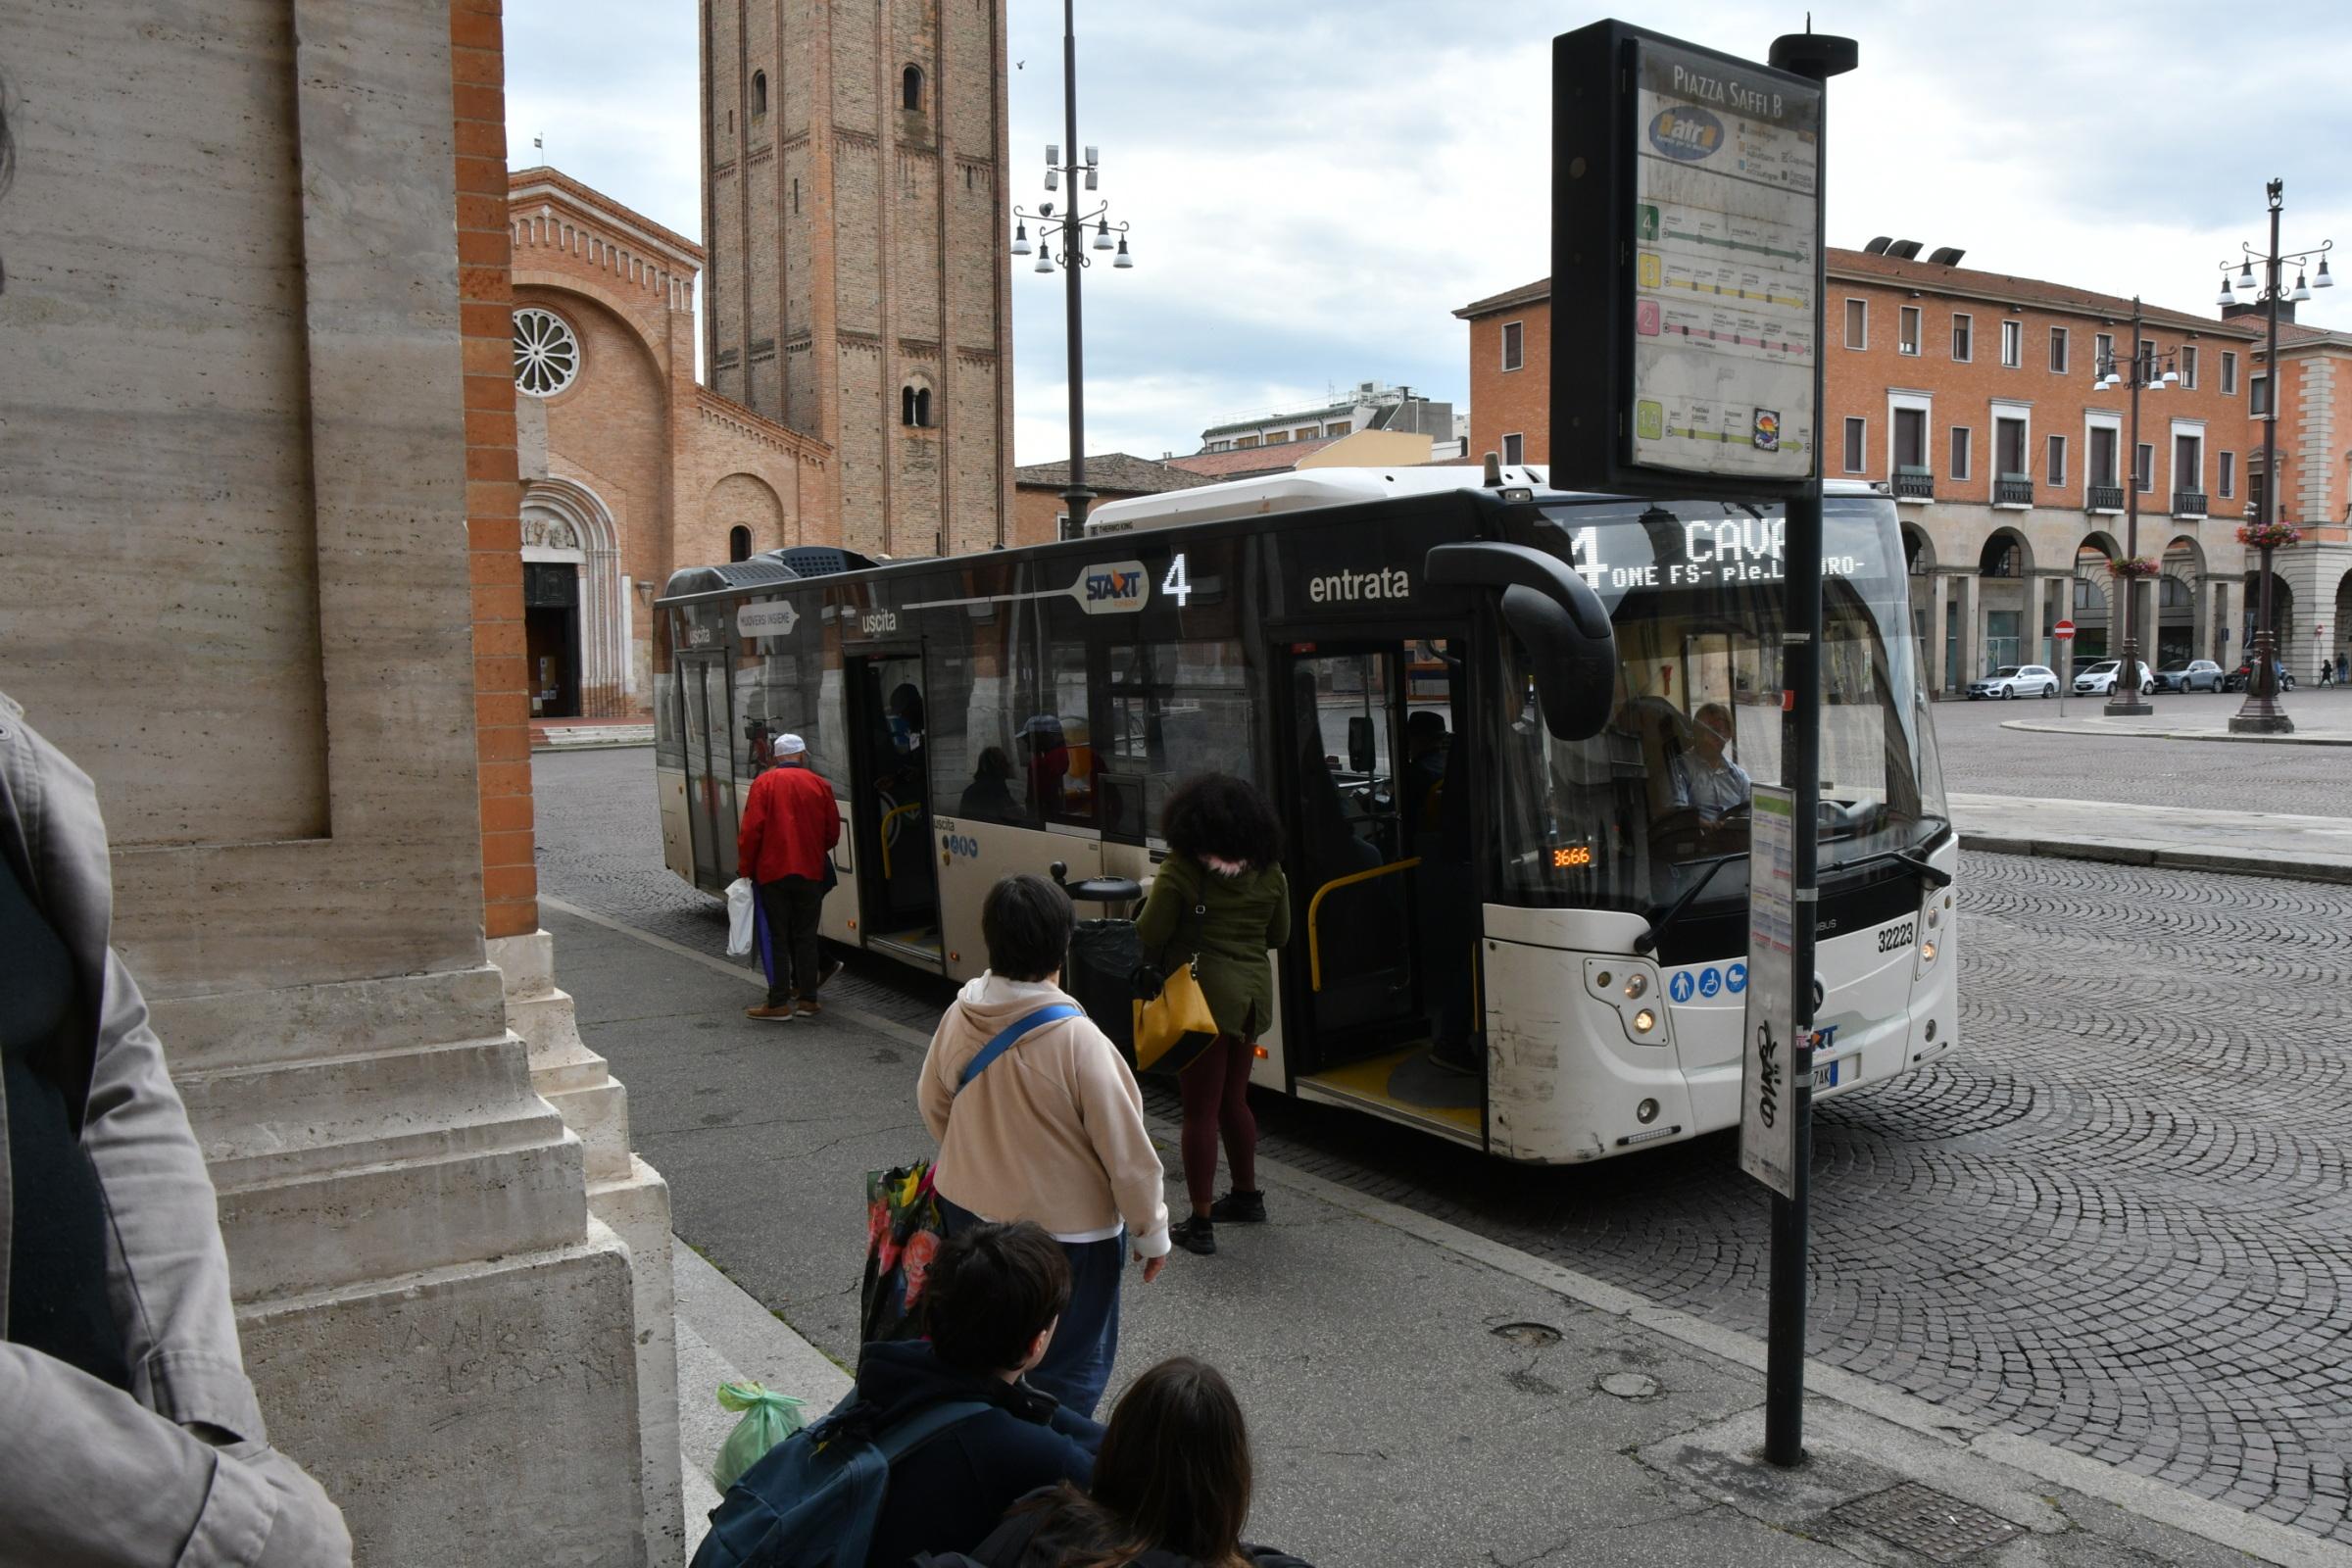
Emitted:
<point x="1981" y="757"/>
<point x="2113" y="1221"/>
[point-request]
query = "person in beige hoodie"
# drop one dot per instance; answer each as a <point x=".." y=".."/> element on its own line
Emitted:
<point x="1049" y="1130"/>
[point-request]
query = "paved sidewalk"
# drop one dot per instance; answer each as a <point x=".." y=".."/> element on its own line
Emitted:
<point x="1418" y="1395"/>
<point x="2320" y="720"/>
<point x="2307" y="849"/>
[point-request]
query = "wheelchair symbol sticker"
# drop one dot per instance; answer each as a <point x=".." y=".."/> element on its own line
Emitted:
<point x="1735" y="979"/>
<point x="1710" y="981"/>
<point x="1678" y="988"/>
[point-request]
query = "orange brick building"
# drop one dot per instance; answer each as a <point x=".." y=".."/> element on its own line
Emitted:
<point x="631" y="468"/>
<point x="1973" y="396"/>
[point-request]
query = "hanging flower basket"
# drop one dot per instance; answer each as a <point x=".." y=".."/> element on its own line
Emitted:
<point x="2269" y="535"/>
<point x="2134" y="568"/>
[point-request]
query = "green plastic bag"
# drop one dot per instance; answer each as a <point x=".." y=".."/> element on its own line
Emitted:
<point x="767" y="1420"/>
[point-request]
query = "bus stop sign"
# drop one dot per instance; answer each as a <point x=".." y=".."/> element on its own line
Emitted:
<point x="1685" y="308"/>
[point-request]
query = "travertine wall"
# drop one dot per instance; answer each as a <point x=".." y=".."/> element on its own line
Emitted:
<point x="241" y="591"/>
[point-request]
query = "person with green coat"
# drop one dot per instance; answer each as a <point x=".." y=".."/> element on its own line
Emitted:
<point x="1220" y="895"/>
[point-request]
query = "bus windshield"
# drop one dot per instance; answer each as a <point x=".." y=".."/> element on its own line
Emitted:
<point x="1636" y="816"/>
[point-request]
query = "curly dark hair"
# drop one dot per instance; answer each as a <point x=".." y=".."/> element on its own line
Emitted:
<point x="1221" y="815"/>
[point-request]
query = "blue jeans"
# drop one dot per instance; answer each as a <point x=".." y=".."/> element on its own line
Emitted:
<point x="1077" y="1364"/>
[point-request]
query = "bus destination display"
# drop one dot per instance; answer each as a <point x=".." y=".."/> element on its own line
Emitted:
<point x="1727" y="164"/>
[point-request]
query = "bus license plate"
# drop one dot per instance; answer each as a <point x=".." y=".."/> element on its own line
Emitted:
<point x="1824" y="1076"/>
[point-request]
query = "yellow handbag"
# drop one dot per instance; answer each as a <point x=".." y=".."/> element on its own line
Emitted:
<point x="1174" y="1025"/>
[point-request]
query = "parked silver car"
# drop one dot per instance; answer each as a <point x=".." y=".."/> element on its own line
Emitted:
<point x="2015" y="680"/>
<point x="2097" y="680"/>
<point x="2189" y="676"/>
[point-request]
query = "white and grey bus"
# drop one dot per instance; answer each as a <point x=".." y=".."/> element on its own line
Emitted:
<point x="1510" y="730"/>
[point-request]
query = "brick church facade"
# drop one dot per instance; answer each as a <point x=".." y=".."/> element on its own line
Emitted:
<point x="631" y="468"/>
<point x="852" y="191"/>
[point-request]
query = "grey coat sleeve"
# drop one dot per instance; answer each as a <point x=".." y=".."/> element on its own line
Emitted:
<point x="179" y="1469"/>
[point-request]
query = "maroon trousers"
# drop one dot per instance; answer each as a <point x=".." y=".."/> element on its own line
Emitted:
<point x="1215" y="1090"/>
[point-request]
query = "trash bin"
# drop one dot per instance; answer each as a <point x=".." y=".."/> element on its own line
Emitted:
<point x="1104" y="958"/>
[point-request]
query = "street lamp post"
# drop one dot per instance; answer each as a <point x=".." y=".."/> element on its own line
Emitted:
<point x="2153" y="372"/>
<point x="1070" y="224"/>
<point x="2262" y="714"/>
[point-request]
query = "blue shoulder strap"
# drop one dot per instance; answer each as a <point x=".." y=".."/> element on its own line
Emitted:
<point x="1004" y="1042"/>
<point x="913" y="1432"/>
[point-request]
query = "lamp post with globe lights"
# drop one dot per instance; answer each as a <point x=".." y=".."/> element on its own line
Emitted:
<point x="1070" y="226"/>
<point x="2262" y="714"/>
<point x="2152" y="371"/>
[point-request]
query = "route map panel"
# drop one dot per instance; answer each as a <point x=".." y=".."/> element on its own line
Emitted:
<point x="1727" y="188"/>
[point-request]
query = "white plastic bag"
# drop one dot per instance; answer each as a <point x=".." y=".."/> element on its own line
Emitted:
<point x="739" y="917"/>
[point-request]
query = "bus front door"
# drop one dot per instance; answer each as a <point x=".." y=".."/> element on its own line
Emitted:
<point x="1381" y="892"/>
<point x="898" y="885"/>
<point x="708" y="725"/>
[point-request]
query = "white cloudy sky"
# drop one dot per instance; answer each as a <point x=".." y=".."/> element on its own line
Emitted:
<point x="1315" y="190"/>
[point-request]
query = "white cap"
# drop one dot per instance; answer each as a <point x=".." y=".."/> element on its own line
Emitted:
<point x="789" y="746"/>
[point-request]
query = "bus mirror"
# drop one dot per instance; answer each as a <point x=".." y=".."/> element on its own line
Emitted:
<point x="1363" y="753"/>
<point x="1558" y="617"/>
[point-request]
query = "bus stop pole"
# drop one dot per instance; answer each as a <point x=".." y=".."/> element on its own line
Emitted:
<point x="1817" y="57"/>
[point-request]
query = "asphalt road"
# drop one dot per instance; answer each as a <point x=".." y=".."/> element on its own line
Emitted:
<point x="2112" y="1221"/>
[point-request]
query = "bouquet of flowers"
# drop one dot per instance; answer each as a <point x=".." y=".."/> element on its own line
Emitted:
<point x="2269" y="535"/>
<point x="2133" y="567"/>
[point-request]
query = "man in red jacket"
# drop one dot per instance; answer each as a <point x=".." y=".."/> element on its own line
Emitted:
<point x="790" y="825"/>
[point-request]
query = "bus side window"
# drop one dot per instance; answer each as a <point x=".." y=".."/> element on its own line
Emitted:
<point x="1056" y="738"/>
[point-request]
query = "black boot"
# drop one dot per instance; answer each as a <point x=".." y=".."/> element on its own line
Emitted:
<point x="1238" y="1209"/>
<point x="1194" y="1235"/>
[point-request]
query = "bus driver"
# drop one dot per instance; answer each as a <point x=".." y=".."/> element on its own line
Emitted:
<point x="1707" y="780"/>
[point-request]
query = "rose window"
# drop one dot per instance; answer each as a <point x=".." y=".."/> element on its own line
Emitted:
<point x="547" y="355"/>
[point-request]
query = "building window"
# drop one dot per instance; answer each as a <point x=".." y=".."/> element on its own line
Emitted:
<point x="2228" y="474"/>
<point x="2009" y="449"/>
<point x="2104" y="439"/>
<point x="1963" y="329"/>
<point x="1514" y="448"/>
<point x="1857" y="443"/>
<point x="2143" y="468"/>
<point x="759" y="93"/>
<point x="739" y="544"/>
<point x="910" y="90"/>
<point x="2013" y="344"/>
<point x="796" y="195"/>
<point x="1960" y="450"/>
<point x="2228" y="374"/>
<point x="2057" y="460"/>
<point x="547" y="355"/>
<point x="1514" y="345"/>
<point x="2058" y="348"/>
<point x="1278" y="438"/>
<point x="2102" y="358"/>
<point x="915" y="407"/>
<point x="2258" y="395"/>
<point x="1857" y="323"/>
<point x="2189" y="368"/>
<point x="1911" y="439"/>
<point x="1906" y="332"/>
<point x="1340" y="427"/>
<point x="1244" y="441"/>
<point x="2189" y="463"/>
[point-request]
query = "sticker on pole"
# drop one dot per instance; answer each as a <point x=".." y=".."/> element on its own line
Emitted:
<point x="1767" y="1092"/>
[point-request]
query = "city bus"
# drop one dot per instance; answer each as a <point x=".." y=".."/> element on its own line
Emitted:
<point x="1511" y="732"/>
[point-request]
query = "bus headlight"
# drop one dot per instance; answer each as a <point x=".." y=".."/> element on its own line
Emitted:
<point x="1644" y="1021"/>
<point x="1634" y="986"/>
<point x="1646" y="1113"/>
<point x="1927" y="953"/>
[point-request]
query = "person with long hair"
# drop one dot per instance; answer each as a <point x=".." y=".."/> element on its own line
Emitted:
<point x="1171" y="1488"/>
<point x="1220" y="896"/>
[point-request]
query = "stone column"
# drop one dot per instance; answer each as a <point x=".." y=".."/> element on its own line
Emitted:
<point x="2218" y="632"/>
<point x="438" y="1327"/>
<point x="1971" y="629"/>
<point x="1938" y="623"/>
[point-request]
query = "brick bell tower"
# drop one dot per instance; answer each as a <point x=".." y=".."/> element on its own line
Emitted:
<point x="858" y="288"/>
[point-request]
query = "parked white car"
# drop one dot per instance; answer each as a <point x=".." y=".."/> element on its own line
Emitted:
<point x="2097" y="680"/>
<point x="2015" y="680"/>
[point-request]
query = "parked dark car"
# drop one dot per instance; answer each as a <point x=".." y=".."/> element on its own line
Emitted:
<point x="2236" y="680"/>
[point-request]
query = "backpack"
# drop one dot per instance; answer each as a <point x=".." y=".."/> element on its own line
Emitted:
<point x="812" y="1501"/>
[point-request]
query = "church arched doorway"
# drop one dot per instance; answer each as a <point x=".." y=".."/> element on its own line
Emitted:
<point x="575" y="639"/>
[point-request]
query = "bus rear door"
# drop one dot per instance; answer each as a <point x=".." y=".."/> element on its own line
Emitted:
<point x="890" y="814"/>
<point x="708" y="722"/>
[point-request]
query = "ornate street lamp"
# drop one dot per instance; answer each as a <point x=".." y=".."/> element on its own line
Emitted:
<point x="1071" y="226"/>
<point x="2262" y="714"/>
<point x="2145" y="369"/>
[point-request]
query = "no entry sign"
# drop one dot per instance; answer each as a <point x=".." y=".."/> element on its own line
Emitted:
<point x="2064" y="631"/>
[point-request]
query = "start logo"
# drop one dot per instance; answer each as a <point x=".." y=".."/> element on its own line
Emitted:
<point x="1686" y="133"/>
<point x="1119" y="588"/>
